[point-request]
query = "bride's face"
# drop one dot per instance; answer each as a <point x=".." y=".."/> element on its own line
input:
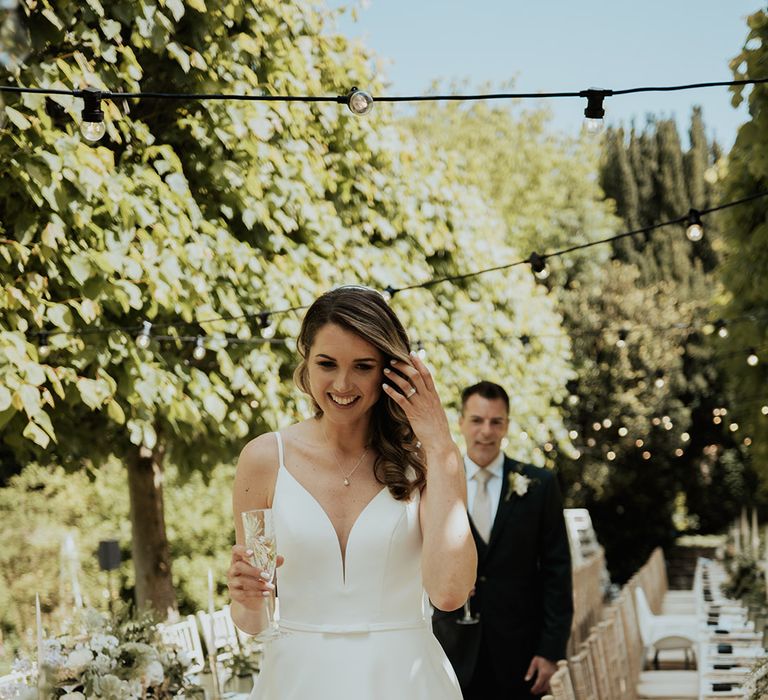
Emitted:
<point x="345" y="373"/>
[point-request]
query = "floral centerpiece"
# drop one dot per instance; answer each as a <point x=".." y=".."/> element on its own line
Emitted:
<point x="116" y="660"/>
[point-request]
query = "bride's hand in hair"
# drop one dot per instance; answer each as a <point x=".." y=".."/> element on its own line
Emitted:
<point x="418" y="398"/>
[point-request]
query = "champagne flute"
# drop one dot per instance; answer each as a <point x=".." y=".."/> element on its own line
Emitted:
<point x="259" y="530"/>
<point x="467" y="619"/>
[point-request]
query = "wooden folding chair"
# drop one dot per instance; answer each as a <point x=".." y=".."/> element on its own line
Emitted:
<point x="599" y="665"/>
<point x="581" y="676"/>
<point x="560" y="683"/>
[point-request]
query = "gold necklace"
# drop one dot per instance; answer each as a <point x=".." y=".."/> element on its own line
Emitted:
<point x="341" y="469"/>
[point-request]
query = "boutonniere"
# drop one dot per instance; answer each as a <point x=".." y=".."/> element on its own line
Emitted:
<point x="518" y="484"/>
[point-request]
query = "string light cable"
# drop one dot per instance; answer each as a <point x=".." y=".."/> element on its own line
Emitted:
<point x="534" y="260"/>
<point x="359" y="102"/>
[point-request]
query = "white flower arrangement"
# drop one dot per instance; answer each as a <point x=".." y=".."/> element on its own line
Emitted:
<point x="518" y="484"/>
<point x="100" y="659"/>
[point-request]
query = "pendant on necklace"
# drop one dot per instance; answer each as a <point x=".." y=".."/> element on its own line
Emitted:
<point x="346" y="481"/>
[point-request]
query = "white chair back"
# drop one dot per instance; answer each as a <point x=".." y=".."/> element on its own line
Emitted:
<point x="186" y="638"/>
<point x="644" y="616"/>
<point x="225" y="639"/>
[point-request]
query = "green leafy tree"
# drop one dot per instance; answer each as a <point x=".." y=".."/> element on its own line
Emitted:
<point x="745" y="243"/>
<point x="191" y="211"/>
<point x="544" y="188"/>
<point x="653" y="179"/>
<point x="626" y="412"/>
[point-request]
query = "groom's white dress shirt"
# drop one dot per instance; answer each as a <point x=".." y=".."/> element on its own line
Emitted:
<point x="496" y="469"/>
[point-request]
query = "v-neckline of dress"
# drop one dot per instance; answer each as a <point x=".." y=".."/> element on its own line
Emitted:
<point x="343" y="551"/>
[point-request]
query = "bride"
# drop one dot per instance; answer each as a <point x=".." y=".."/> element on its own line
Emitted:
<point x="369" y="505"/>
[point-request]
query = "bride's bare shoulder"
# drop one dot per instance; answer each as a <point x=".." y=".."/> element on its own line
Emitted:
<point x="260" y="456"/>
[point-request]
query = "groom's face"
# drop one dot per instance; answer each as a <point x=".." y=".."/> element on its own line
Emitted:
<point x="483" y="424"/>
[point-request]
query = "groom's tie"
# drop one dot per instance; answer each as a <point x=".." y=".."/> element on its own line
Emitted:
<point x="481" y="508"/>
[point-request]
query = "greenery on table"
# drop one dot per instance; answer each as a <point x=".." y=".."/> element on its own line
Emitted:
<point x="113" y="659"/>
<point x="746" y="580"/>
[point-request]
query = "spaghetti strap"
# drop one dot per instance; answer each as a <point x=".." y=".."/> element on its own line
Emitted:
<point x="280" y="454"/>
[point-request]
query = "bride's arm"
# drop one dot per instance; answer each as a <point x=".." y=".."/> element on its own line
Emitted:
<point x="449" y="556"/>
<point x="253" y="486"/>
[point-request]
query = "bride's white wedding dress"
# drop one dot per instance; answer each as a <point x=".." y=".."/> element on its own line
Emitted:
<point x="359" y="631"/>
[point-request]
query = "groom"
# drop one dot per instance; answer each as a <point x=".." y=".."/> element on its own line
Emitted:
<point x="523" y="597"/>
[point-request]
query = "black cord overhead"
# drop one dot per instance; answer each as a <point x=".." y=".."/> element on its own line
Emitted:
<point x="343" y="99"/>
<point x="534" y="260"/>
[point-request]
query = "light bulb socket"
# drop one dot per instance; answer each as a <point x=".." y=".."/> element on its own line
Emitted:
<point x="538" y="264"/>
<point x="389" y="292"/>
<point x="595" y="97"/>
<point x="91" y="105"/>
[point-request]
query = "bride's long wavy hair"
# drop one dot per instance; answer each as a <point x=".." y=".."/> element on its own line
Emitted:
<point x="364" y="312"/>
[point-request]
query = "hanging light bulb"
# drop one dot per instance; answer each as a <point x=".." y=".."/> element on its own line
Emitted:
<point x="659" y="381"/>
<point x="43" y="349"/>
<point x="685" y="437"/>
<point x="359" y="101"/>
<point x="573" y="434"/>
<point x="722" y="329"/>
<point x="678" y="452"/>
<point x="747" y="441"/>
<point x="764" y="410"/>
<point x="607" y="423"/>
<point x="611" y="455"/>
<point x="199" y="352"/>
<point x="622" y="341"/>
<point x="143" y="339"/>
<point x="92" y="127"/>
<point x="388" y="293"/>
<point x="538" y="264"/>
<point x="266" y="325"/>
<point x="596" y="426"/>
<point x="420" y="351"/>
<point x="639" y="442"/>
<point x="695" y="230"/>
<point x="646" y="455"/>
<point x="752" y="358"/>
<point x="623" y="431"/>
<point x="733" y="427"/>
<point x="594" y="111"/>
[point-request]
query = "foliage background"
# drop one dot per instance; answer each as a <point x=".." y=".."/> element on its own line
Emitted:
<point x="190" y="211"/>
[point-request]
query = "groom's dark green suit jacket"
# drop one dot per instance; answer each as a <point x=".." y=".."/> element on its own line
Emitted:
<point x="523" y="593"/>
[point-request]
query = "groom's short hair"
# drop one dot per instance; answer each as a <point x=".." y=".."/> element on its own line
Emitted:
<point x="487" y="390"/>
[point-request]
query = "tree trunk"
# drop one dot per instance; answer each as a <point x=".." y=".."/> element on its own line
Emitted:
<point x="151" y="554"/>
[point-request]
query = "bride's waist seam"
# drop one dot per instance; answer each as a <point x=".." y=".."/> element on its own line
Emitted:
<point x="354" y="628"/>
